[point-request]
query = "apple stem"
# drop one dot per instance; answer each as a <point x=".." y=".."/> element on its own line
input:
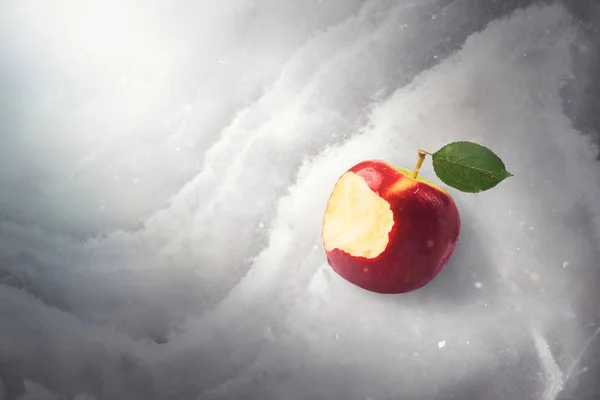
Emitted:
<point x="422" y="154"/>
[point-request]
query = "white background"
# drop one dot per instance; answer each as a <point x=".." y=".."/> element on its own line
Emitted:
<point x="164" y="168"/>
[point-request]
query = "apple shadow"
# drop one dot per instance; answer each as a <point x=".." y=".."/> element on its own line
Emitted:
<point x="468" y="276"/>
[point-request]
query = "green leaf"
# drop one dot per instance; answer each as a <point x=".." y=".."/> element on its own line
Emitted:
<point x="469" y="167"/>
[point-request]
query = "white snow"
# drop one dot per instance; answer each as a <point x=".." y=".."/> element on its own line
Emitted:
<point x="166" y="288"/>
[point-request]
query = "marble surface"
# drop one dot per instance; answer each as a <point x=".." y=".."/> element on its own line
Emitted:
<point x="164" y="168"/>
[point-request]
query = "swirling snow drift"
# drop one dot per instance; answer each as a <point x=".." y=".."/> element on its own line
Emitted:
<point x="164" y="169"/>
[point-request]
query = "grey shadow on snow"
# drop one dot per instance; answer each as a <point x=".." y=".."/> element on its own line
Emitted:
<point x="509" y="377"/>
<point x="581" y="96"/>
<point x="466" y="278"/>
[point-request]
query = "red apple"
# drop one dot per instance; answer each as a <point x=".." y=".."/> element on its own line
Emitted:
<point x="388" y="232"/>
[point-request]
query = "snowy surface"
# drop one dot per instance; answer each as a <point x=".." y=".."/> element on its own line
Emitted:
<point x="164" y="167"/>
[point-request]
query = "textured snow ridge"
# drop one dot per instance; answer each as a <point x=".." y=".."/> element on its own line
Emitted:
<point x="168" y="244"/>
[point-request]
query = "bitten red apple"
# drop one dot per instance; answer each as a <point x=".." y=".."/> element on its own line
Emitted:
<point x="388" y="232"/>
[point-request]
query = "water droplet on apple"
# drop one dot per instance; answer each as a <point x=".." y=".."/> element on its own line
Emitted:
<point x="441" y="344"/>
<point x="478" y="285"/>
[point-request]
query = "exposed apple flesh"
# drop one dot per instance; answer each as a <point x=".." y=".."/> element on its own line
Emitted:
<point x="388" y="232"/>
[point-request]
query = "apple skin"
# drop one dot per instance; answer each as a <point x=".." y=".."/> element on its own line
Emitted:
<point x="422" y="239"/>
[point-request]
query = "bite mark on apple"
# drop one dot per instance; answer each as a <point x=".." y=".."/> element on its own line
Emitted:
<point x="357" y="220"/>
